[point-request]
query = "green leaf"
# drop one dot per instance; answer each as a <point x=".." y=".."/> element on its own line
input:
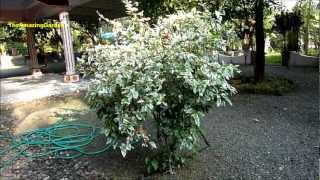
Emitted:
<point x="155" y="164"/>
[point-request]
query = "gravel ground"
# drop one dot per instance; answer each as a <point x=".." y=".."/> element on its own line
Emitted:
<point x="268" y="137"/>
<point x="259" y="137"/>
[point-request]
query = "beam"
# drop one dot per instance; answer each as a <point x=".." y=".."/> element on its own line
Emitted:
<point x="70" y="75"/>
<point x="56" y="2"/>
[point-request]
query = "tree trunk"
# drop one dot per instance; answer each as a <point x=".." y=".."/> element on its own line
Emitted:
<point x="306" y="30"/>
<point x="306" y="40"/>
<point x="284" y="51"/>
<point x="293" y="40"/>
<point x="260" y="58"/>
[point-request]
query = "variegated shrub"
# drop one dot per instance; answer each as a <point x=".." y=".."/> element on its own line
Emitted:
<point x="165" y="73"/>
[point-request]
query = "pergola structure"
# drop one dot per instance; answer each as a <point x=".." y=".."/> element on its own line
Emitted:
<point x="29" y="11"/>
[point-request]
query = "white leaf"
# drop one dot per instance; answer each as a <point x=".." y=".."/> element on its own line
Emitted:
<point x="123" y="152"/>
<point x="153" y="144"/>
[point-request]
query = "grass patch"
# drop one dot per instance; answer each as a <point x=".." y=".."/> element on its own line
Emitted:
<point x="313" y="52"/>
<point x="271" y="85"/>
<point x="273" y="58"/>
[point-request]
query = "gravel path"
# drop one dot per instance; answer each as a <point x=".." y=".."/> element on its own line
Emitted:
<point x="259" y="137"/>
<point x="268" y="137"/>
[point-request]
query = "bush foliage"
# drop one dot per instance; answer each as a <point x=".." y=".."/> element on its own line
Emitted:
<point x="165" y="73"/>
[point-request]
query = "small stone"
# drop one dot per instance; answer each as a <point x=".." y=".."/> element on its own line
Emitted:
<point x="94" y="172"/>
<point x="86" y="163"/>
<point x="256" y="120"/>
<point x="281" y="168"/>
<point x="285" y="109"/>
<point x="76" y="166"/>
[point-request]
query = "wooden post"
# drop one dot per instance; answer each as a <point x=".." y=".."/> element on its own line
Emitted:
<point x="34" y="65"/>
<point x="70" y="75"/>
<point x="259" y="67"/>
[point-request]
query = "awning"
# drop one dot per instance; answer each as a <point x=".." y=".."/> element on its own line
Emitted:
<point x="29" y="10"/>
<point x="32" y="10"/>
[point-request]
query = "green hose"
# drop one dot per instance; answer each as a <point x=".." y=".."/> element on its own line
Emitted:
<point x="62" y="140"/>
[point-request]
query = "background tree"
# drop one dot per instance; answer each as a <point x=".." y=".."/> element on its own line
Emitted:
<point x="310" y="29"/>
<point x="306" y="7"/>
<point x="251" y="15"/>
<point x="89" y="28"/>
<point x="288" y="24"/>
<point x="234" y="9"/>
<point x="252" y="9"/>
<point x="157" y="8"/>
<point x="48" y="40"/>
<point x="12" y="38"/>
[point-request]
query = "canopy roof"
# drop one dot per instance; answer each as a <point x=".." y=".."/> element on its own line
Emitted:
<point x="28" y="10"/>
<point x="31" y="10"/>
<point x="109" y="8"/>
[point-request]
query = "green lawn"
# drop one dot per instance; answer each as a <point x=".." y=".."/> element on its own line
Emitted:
<point x="313" y="52"/>
<point x="273" y="58"/>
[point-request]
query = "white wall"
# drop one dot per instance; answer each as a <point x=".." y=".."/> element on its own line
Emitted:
<point x="11" y="61"/>
<point x="242" y="59"/>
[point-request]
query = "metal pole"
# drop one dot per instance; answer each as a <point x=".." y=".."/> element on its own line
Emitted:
<point x="71" y="75"/>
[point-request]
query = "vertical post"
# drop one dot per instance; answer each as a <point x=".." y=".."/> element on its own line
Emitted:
<point x="34" y="65"/>
<point x="260" y="56"/>
<point x="70" y="75"/>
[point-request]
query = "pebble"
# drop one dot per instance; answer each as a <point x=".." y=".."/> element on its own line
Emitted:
<point x="76" y="166"/>
<point x="256" y="120"/>
<point x="281" y="168"/>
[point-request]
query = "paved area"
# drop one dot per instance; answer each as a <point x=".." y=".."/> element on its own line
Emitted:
<point x="26" y="88"/>
<point x="24" y="70"/>
<point x="11" y="66"/>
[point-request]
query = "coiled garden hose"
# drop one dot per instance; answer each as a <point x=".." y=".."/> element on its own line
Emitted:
<point x="61" y="140"/>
